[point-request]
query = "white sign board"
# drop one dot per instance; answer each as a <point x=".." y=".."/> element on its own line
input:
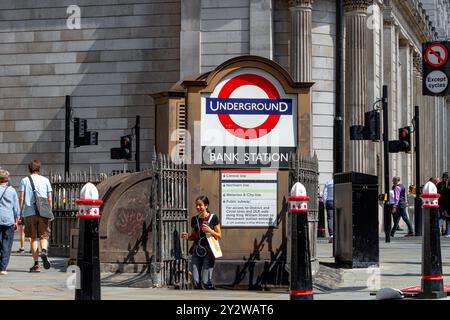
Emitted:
<point x="436" y="81"/>
<point x="248" y="120"/>
<point x="248" y="198"/>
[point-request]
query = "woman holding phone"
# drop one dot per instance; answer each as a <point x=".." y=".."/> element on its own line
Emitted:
<point x="203" y="259"/>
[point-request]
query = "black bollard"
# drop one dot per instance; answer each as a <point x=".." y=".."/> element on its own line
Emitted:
<point x="88" y="260"/>
<point x="322" y="218"/>
<point x="88" y="257"/>
<point x="301" y="287"/>
<point x="432" y="280"/>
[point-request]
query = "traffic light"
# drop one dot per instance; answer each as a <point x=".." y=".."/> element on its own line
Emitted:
<point x="370" y="130"/>
<point x="125" y="151"/>
<point x="436" y="68"/>
<point x="403" y="144"/>
<point x="125" y="145"/>
<point x="372" y="125"/>
<point x="82" y="137"/>
<point x="404" y="136"/>
<point x="79" y="132"/>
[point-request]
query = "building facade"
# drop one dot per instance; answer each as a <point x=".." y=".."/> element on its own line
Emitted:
<point x="125" y="50"/>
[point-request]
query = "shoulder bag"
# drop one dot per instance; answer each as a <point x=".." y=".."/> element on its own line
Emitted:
<point x="213" y="243"/>
<point x="41" y="204"/>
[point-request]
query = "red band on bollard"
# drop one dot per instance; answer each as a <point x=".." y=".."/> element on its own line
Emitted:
<point x="430" y="206"/>
<point x="301" y="292"/>
<point x="430" y="195"/>
<point x="90" y="217"/>
<point x="432" y="278"/>
<point x="299" y="211"/>
<point x="299" y="198"/>
<point x="90" y="202"/>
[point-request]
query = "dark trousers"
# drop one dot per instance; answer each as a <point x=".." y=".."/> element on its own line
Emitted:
<point x="330" y="210"/>
<point x="202" y="270"/>
<point x="401" y="213"/>
<point x="6" y="242"/>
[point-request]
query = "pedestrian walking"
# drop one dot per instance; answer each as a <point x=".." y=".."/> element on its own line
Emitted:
<point x="203" y="259"/>
<point x="443" y="188"/>
<point x="411" y="202"/>
<point x="21" y="224"/>
<point x="399" y="207"/>
<point x="328" y="199"/>
<point x="9" y="215"/>
<point x="36" y="227"/>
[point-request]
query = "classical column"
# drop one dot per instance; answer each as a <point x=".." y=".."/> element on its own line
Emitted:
<point x="356" y="77"/>
<point x="301" y="40"/>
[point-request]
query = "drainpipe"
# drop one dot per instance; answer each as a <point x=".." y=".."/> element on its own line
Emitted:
<point x="338" y="141"/>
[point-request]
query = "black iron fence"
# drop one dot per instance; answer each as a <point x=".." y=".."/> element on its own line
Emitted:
<point x="66" y="191"/>
<point x="306" y="171"/>
<point x="170" y="217"/>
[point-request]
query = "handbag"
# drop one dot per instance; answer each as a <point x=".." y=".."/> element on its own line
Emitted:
<point x="213" y="243"/>
<point x="41" y="204"/>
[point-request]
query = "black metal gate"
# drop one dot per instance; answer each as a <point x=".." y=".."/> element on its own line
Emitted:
<point x="170" y="216"/>
<point x="66" y="191"/>
<point x="306" y="171"/>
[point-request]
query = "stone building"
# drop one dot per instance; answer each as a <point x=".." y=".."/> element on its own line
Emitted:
<point x="127" y="49"/>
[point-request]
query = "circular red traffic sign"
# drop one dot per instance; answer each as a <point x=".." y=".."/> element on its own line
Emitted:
<point x="436" y="55"/>
<point x="249" y="80"/>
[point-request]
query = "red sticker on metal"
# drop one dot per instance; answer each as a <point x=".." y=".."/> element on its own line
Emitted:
<point x="432" y="278"/>
<point x="301" y="292"/>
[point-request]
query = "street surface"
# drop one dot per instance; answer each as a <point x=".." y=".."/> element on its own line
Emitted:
<point x="400" y="267"/>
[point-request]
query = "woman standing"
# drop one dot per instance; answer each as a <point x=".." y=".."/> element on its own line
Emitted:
<point x="202" y="258"/>
<point x="9" y="214"/>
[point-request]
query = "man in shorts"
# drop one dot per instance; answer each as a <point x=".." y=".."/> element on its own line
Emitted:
<point x="37" y="227"/>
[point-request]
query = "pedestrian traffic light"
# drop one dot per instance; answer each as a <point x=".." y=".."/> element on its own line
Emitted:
<point x="125" y="151"/>
<point x="404" y="136"/>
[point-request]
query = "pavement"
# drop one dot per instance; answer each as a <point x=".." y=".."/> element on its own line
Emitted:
<point x="400" y="267"/>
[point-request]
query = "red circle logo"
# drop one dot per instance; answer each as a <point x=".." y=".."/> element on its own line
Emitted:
<point x="235" y="129"/>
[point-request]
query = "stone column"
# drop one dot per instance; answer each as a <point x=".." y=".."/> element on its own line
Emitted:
<point x="356" y="77"/>
<point x="301" y="40"/>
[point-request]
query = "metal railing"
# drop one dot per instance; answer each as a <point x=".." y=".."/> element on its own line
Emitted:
<point x="66" y="191"/>
<point x="306" y="171"/>
<point x="169" y="208"/>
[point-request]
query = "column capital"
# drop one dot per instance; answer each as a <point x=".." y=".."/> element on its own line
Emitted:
<point x="357" y="5"/>
<point x="301" y="4"/>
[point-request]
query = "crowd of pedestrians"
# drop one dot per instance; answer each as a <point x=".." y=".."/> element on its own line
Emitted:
<point x="20" y="208"/>
<point x="401" y="204"/>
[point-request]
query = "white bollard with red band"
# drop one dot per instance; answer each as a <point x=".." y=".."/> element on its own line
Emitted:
<point x="88" y="258"/>
<point x="89" y="203"/>
<point x="301" y="287"/>
<point x="432" y="280"/>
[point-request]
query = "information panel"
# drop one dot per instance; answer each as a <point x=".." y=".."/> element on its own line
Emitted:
<point x="248" y="198"/>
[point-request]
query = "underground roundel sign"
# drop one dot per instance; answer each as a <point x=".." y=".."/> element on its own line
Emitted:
<point x="248" y="119"/>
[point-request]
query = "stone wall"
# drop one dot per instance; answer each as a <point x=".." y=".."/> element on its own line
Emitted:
<point x="225" y="31"/>
<point x="124" y="50"/>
